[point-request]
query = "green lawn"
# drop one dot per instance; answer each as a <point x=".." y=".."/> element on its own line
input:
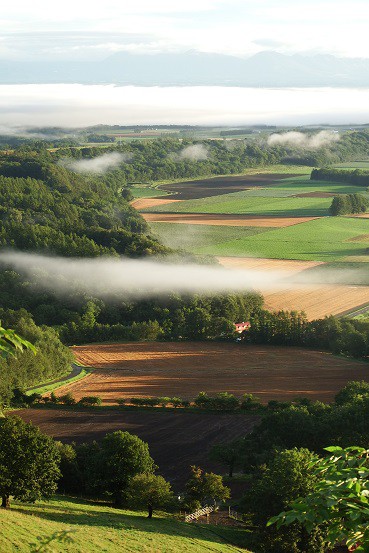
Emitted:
<point x="97" y="527"/>
<point x="194" y="237"/>
<point x="146" y="191"/>
<point x="323" y="239"/>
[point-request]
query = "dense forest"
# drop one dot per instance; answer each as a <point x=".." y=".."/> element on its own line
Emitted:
<point x="344" y="204"/>
<point x="356" y="177"/>
<point x="164" y="159"/>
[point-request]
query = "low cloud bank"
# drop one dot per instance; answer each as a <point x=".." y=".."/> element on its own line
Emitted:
<point x="196" y="152"/>
<point x="97" y="165"/>
<point x="144" y="278"/>
<point x="135" y="279"/>
<point x="304" y="141"/>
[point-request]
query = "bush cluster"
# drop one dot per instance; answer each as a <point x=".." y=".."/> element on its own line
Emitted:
<point x="348" y="203"/>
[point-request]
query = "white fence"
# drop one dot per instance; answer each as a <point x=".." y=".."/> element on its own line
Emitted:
<point x="200" y="512"/>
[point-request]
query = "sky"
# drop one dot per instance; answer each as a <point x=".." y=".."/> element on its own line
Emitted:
<point x="92" y="29"/>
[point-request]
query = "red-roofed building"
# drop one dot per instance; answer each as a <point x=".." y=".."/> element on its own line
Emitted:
<point x="241" y="327"/>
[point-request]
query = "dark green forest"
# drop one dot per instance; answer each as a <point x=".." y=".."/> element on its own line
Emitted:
<point x="357" y="177"/>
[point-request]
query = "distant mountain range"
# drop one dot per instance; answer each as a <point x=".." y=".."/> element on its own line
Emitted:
<point x="266" y="69"/>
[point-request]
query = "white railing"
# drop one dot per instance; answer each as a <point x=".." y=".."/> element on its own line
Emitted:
<point x="200" y="512"/>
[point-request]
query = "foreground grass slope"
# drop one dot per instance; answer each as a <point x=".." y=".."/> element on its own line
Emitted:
<point x="97" y="527"/>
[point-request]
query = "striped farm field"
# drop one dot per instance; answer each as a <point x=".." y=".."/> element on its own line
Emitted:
<point x="183" y="369"/>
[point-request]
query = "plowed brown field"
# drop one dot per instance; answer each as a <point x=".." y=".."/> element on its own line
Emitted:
<point x="186" y="368"/>
<point x="215" y="186"/>
<point x="290" y="265"/>
<point x="225" y="220"/>
<point x="144" y="203"/>
<point x="176" y="440"/>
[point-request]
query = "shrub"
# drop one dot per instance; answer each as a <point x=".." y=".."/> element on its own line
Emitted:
<point x="54" y="398"/>
<point x="88" y="401"/>
<point x="138" y="401"/>
<point x="224" y="402"/>
<point x="250" y="402"/>
<point x="176" y="402"/>
<point x="67" y="399"/>
<point x="163" y="401"/>
<point x="202" y="400"/>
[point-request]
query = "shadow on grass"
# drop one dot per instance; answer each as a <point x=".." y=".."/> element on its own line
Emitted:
<point x="74" y="514"/>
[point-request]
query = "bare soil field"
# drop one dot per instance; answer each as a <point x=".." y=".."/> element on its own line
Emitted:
<point x="225" y="220"/>
<point x="186" y="368"/>
<point x="204" y="188"/>
<point x="290" y="265"/>
<point x="144" y="203"/>
<point x="315" y="195"/>
<point x="176" y="440"/>
<point x="318" y="301"/>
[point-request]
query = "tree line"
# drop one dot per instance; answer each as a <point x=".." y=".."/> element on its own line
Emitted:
<point x="357" y="177"/>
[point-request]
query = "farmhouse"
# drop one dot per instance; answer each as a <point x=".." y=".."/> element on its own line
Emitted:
<point x="240" y="327"/>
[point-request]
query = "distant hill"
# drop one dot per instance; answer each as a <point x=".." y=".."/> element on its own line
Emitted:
<point x="265" y="69"/>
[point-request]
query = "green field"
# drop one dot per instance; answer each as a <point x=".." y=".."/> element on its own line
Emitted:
<point x="244" y="205"/>
<point x="323" y="239"/>
<point x="194" y="237"/>
<point x="359" y="164"/>
<point x="142" y="191"/>
<point x="97" y="527"/>
<point x="273" y="201"/>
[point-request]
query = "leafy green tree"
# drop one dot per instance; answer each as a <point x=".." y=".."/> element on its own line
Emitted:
<point x="228" y="454"/>
<point x="10" y="342"/>
<point x="205" y="487"/>
<point x="29" y="462"/>
<point x="286" y="477"/>
<point x="122" y="456"/>
<point x="352" y="391"/>
<point x="149" y="491"/>
<point x="339" y="499"/>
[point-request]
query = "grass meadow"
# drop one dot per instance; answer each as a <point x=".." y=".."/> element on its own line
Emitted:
<point x="194" y="237"/>
<point x="97" y="527"/>
<point x="327" y="239"/>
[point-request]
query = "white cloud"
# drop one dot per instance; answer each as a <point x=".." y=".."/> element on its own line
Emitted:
<point x="97" y="165"/>
<point x="79" y="105"/>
